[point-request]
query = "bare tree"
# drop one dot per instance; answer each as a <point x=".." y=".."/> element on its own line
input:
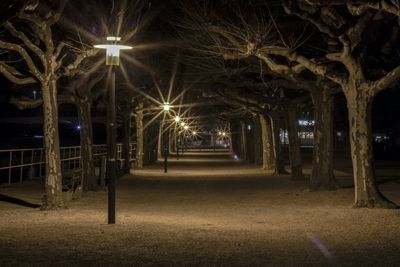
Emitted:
<point x="44" y="61"/>
<point x="342" y="64"/>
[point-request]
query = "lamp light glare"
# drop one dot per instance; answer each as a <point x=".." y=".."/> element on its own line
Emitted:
<point x="177" y="119"/>
<point x="186" y="127"/>
<point x="113" y="50"/>
<point x="166" y="106"/>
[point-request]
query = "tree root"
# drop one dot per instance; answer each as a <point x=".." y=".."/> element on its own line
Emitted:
<point x="376" y="203"/>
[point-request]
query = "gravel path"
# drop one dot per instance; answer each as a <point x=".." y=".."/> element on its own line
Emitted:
<point x="207" y="211"/>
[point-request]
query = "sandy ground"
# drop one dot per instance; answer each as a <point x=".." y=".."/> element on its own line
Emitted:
<point x="207" y="211"/>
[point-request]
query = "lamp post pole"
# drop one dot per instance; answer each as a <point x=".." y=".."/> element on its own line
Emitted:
<point x="112" y="149"/>
<point x="165" y="149"/>
<point x="166" y="107"/>
<point x="177" y="145"/>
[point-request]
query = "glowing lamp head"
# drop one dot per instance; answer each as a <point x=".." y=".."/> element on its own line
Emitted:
<point x="223" y="134"/>
<point x="182" y="124"/>
<point x="166" y="106"/>
<point x="177" y="119"/>
<point x="219" y="133"/>
<point x="194" y="133"/>
<point x="185" y="127"/>
<point x="113" y="50"/>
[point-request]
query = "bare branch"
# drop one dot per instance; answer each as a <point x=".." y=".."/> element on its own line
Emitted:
<point x="59" y="48"/>
<point x="290" y="9"/>
<point x="25" y="102"/>
<point x="12" y="75"/>
<point x="22" y="52"/>
<point x="73" y="68"/>
<point x="20" y="35"/>
<point x="385" y="81"/>
<point x="55" y="15"/>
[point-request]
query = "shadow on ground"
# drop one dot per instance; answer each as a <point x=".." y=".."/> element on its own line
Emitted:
<point x="17" y="201"/>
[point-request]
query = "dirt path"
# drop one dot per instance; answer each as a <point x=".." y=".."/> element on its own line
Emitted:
<point x="207" y="211"/>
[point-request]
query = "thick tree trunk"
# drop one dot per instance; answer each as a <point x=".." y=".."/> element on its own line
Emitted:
<point x="279" y="161"/>
<point x="230" y="137"/>
<point x="243" y="145"/>
<point x="53" y="186"/>
<point x="322" y="177"/>
<point x="250" y="144"/>
<point x="267" y="143"/>
<point x="258" y="148"/>
<point x="139" y="138"/>
<point x="126" y="147"/>
<point x="367" y="193"/>
<point x="86" y="142"/>
<point x="294" y="144"/>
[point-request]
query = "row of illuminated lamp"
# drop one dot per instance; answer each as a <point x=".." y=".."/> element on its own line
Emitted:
<point x="221" y="133"/>
<point x="167" y="107"/>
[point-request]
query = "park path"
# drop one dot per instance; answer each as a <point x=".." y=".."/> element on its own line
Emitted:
<point x="208" y="210"/>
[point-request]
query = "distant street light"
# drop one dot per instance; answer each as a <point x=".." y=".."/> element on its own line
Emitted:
<point x="166" y="107"/>
<point x="112" y="59"/>
<point x="185" y="127"/>
<point x="183" y="124"/>
<point x="177" y="119"/>
<point x="194" y="133"/>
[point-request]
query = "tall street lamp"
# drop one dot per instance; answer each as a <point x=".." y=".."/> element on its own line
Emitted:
<point x="185" y="127"/>
<point x="166" y="108"/>
<point x="112" y="59"/>
<point x="177" y="141"/>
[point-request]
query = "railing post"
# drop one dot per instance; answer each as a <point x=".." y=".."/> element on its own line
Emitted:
<point x="40" y="162"/>
<point x="32" y="169"/>
<point x="22" y="166"/>
<point x="9" y="168"/>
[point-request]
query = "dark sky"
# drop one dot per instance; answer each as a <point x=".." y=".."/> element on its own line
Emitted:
<point x="385" y="107"/>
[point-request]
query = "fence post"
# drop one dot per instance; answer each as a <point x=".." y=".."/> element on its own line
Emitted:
<point x="32" y="169"/>
<point x="22" y="166"/>
<point x="40" y="162"/>
<point x="9" y="166"/>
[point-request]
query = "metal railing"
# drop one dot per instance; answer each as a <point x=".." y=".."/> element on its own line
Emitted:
<point x="17" y="165"/>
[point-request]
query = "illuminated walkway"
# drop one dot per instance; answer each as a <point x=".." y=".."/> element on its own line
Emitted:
<point x="209" y="210"/>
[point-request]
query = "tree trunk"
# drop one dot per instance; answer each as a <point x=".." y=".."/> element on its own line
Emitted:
<point x="367" y="193"/>
<point x="268" y="151"/>
<point x="86" y="142"/>
<point x="139" y="138"/>
<point x="126" y="147"/>
<point x="230" y="137"/>
<point x="294" y="144"/>
<point x="243" y="145"/>
<point x="258" y="148"/>
<point x="322" y="176"/>
<point x="279" y="161"/>
<point x="53" y="187"/>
